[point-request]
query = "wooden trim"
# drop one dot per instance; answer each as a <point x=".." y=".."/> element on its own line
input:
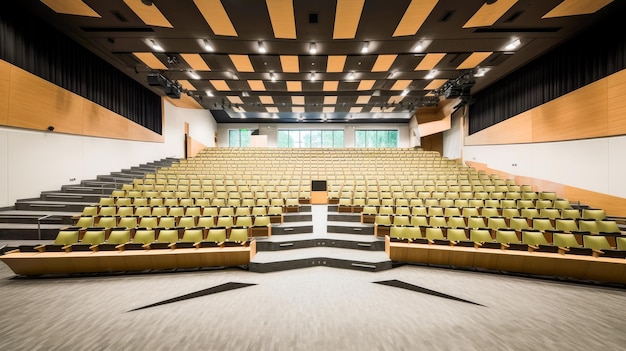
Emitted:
<point x="33" y="103"/>
<point x="194" y="147"/>
<point x="27" y="263"/>
<point x="601" y="269"/>
<point x="613" y="205"/>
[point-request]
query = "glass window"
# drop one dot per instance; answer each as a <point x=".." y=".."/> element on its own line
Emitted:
<point x="310" y="138"/>
<point x="376" y="138"/>
<point x="239" y="137"/>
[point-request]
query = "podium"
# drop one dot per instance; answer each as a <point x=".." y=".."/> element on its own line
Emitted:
<point x="319" y="192"/>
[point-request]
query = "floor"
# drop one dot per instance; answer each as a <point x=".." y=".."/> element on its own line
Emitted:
<point x="316" y="308"/>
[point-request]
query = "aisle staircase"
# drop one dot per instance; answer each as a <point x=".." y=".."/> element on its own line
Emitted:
<point x="40" y="218"/>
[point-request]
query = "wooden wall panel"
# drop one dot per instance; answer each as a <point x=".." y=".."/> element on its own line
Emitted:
<point x="433" y="142"/>
<point x="617" y="103"/>
<point x="185" y="101"/>
<point x="5" y="76"/>
<point x="595" y="110"/>
<point x="613" y="205"/>
<point x="194" y="147"/>
<point x="27" y="101"/>
<point x="36" y="104"/>
<point x="515" y="130"/>
<point x="580" y="114"/>
<point x="101" y="122"/>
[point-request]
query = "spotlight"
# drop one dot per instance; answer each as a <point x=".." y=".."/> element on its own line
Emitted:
<point x="313" y="49"/>
<point x="365" y="48"/>
<point x="146" y="2"/>
<point x="262" y="47"/>
<point x="51" y="128"/>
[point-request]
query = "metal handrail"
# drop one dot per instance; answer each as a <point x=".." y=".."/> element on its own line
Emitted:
<point x="39" y="225"/>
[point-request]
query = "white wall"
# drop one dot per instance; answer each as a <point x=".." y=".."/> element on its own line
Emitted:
<point x="271" y="130"/>
<point x="592" y="164"/>
<point x="35" y="161"/>
<point x="453" y="138"/>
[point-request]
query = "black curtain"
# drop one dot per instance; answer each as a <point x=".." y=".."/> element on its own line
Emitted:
<point x="36" y="47"/>
<point x="591" y="56"/>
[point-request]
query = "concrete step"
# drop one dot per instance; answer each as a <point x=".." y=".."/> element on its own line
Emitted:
<point x="372" y="261"/>
<point x="298" y="241"/>
<point x="70" y="197"/>
<point x="52" y="206"/>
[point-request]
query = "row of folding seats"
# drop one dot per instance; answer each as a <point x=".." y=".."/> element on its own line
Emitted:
<point x="515" y="223"/>
<point x="190" y="201"/>
<point x="526" y="240"/>
<point x="553" y="213"/>
<point x="389" y="200"/>
<point x="207" y="194"/>
<point x="182" y="210"/>
<point x="132" y="223"/>
<point x="97" y="239"/>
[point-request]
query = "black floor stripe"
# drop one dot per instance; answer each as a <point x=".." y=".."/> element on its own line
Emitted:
<point x="403" y="285"/>
<point x="209" y="291"/>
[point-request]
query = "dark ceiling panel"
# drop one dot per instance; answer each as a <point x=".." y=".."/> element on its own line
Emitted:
<point x="120" y="32"/>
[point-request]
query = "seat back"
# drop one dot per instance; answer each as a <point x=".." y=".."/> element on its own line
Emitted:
<point x="216" y="234"/>
<point x="565" y="240"/>
<point x="433" y="233"/>
<point x="144" y="236"/>
<point x="168" y="236"/>
<point x="506" y="236"/>
<point x="238" y="234"/>
<point x="192" y="235"/>
<point x="480" y="235"/>
<point x="596" y="242"/>
<point x="93" y="237"/>
<point x="66" y="237"/>
<point x="566" y="224"/>
<point x="118" y="236"/>
<point x="456" y="234"/>
<point x="534" y="237"/>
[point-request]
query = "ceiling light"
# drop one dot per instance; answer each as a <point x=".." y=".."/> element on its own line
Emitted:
<point x="156" y="45"/>
<point x="234" y="76"/>
<point x="209" y="93"/>
<point x="351" y="75"/>
<point x="391" y="74"/>
<point x="193" y="75"/>
<point x="272" y="77"/>
<point x="365" y="48"/>
<point x="432" y="74"/>
<point x="313" y="49"/>
<point x="207" y="45"/>
<point x="275" y="116"/>
<point x="146" y="2"/>
<point x="404" y="92"/>
<point x="480" y="72"/>
<point x="245" y="94"/>
<point x="419" y="47"/>
<point x="513" y="44"/>
<point x="262" y="47"/>
<point x="312" y="76"/>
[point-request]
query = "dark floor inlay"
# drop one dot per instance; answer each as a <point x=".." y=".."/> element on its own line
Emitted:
<point x="400" y="284"/>
<point x="204" y="292"/>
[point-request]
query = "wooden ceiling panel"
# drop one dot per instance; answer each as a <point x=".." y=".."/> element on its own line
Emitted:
<point x="266" y="100"/>
<point x="336" y="63"/>
<point x="330" y="100"/>
<point x="220" y="85"/>
<point x="414" y="17"/>
<point x="242" y="63"/>
<point x="429" y="62"/>
<point x="383" y="63"/>
<point x="186" y="85"/>
<point x="150" y="60"/>
<point x="215" y="15"/>
<point x="150" y="15"/>
<point x="488" y="14"/>
<point x="294" y="86"/>
<point x="347" y="17"/>
<point x="282" y="18"/>
<point x="366" y="84"/>
<point x="435" y="84"/>
<point x="330" y="85"/>
<point x="256" y="85"/>
<point x="576" y="7"/>
<point x="363" y="99"/>
<point x="474" y="60"/>
<point x="196" y="62"/>
<point x="401" y="84"/>
<point x="71" y="7"/>
<point x="290" y="63"/>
